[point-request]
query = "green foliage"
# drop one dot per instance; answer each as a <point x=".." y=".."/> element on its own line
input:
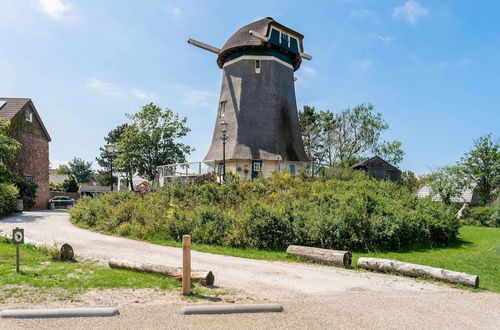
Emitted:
<point x="8" y="196"/>
<point x="483" y="215"/>
<point x="346" y="137"/>
<point x="481" y="166"/>
<point x="8" y="149"/>
<point x="63" y="169"/>
<point x="27" y="191"/>
<point x="55" y="186"/>
<point x="410" y="181"/>
<point x="446" y="183"/>
<point x="349" y="211"/>
<point x="151" y="140"/>
<point x="80" y="170"/>
<point x="70" y="184"/>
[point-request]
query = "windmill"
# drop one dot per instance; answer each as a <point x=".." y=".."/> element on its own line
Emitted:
<point x="257" y="100"/>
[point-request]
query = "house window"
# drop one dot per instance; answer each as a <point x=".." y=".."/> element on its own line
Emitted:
<point x="257" y="66"/>
<point x="292" y="169"/>
<point x="29" y="116"/>
<point x="257" y="167"/>
<point x="222" y="109"/>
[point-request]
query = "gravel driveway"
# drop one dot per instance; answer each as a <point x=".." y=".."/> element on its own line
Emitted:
<point x="265" y="279"/>
<point x="314" y="297"/>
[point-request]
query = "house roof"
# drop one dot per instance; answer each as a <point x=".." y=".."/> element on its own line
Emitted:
<point x="369" y="160"/>
<point x="467" y="195"/>
<point x="95" y="189"/>
<point x="11" y="106"/>
<point x="58" y="178"/>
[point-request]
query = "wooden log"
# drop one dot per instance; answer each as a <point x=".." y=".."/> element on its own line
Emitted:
<point x="66" y="250"/>
<point x="414" y="270"/>
<point x="202" y="276"/>
<point x="342" y="258"/>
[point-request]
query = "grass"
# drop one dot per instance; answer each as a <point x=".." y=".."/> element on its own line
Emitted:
<point x="39" y="277"/>
<point x="477" y="251"/>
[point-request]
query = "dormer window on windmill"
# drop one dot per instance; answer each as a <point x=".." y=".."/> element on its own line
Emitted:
<point x="29" y="116"/>
<point x="285" y="39"/>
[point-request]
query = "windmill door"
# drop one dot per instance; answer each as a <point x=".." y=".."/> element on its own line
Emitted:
<point x="256" y="168"/>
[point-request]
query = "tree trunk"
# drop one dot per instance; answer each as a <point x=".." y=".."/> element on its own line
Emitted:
<point x="203" y="276"/>
<point x="386" y="265"/>
<point x="342" y="258"/>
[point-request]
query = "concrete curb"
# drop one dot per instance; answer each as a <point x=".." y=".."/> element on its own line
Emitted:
<point x="230" y="309"/>
<point x="57" y="313"/>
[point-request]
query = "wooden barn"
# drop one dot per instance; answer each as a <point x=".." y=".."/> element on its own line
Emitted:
<point x="378" y="168"/>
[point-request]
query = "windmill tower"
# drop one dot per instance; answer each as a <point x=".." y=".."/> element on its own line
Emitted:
<point x="257" y="100"/>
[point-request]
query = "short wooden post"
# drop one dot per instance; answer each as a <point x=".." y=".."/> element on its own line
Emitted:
<point x="186" y="265"/>
<point x="17" y="258"/>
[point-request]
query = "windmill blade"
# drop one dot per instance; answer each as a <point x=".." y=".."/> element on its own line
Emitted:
<point x="204" y="46"/>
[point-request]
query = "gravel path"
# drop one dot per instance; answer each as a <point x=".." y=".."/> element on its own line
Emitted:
<point x="265" y="279"/>
<point x="313" y="296"/>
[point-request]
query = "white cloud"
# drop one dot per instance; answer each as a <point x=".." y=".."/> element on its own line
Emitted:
<point x="142" y="94"/>
<point x="308" y="70"/>
<point x="412" y="11"/>
<point x="105" y="88"/>
<point x="174" y="11"/>
<point x="386" y="39"/>
<point x="199" y="98"/>
<point x="464" y="62"/>
<point x="362" y="65"/>
<point x="54" y="8"/>
<point x="364" y="14"/>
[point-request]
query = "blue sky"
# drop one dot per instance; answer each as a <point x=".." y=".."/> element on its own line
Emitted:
<point x="430" y="67"/>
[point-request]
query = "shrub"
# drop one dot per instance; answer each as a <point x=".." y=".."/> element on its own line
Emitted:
<point x="8" y="196"/>
<point x="27" y="191"/>
<point x="346" y="211"/>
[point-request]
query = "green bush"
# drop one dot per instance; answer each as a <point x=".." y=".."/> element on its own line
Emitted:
<point x="342" y="210"/>
<point x="8" y="197"/>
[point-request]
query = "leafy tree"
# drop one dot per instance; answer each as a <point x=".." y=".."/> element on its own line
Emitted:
<point x="81" y="170"/>
<point x="63" y="169"/>
<point x="27" y="191"/>
<point x="70" y="184"/>
<point x="107" y="159"/>
<point x="481" y="165"/>
<point x="447" y="182"/>
<point x="55" y="186"/>
<point x="8" y="149"/>
<point x="346" y="137"/>
<point x="409" y="180"/>
<point x="150" y="141"/>
<point x="310" y="128"/>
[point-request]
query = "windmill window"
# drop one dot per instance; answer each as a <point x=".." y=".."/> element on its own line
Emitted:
<point x="222" y="109"/>
<point x="257" y="66"/>
<point x="285" y="39"/>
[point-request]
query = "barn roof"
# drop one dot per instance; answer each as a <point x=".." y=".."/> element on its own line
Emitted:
<point x="365" y="162"/>
<point x="11" y="106"/>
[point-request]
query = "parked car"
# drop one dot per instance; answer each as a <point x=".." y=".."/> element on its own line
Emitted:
<point x="62" y="201"/>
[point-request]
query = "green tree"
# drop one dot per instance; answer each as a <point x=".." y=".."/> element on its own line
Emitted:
<point x="446" y="182"/>
<point x="151" y="141"/>
<point x="81" y="170"/>
<point x="309" y="121"/>
<point x="63" y="169"/>
<point x="346" y="137"/>
<point x="8" y="149"/>
<point x="107" y="159"/>
<point x="481" y="165"/>
<point x="70" y="184"/>
<point x="409" y="180"/>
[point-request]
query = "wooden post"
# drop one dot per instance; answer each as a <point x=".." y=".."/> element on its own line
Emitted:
<point x="186" y="265"/>
<point x="17" y="258"/>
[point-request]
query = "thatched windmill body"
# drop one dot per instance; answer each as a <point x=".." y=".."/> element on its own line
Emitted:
<point x="257" y="100"/>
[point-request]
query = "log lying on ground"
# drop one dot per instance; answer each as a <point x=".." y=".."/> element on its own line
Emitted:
<point x="414" y="270"/>
<point x="203" y="276"/>
<point x="65" y="250"/>
<point x="342" y="258"/>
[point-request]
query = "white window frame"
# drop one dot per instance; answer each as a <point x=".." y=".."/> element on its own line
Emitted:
<point x="29" y="116"/>
<point x="222" y="109"/>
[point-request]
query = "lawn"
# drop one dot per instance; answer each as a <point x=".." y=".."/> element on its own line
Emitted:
<point x="40" y="277"/>
<point x="477" y="251"/>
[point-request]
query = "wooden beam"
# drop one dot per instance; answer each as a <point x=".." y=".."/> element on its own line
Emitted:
<point x="204" y="46"/>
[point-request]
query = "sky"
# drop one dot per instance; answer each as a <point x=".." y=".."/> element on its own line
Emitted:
<point x="432" y="68"/>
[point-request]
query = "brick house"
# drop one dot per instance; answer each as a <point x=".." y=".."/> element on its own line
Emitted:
<point x="32" y="160"/>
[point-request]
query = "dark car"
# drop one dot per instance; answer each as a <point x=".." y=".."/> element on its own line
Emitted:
<point x="62" y="201"/>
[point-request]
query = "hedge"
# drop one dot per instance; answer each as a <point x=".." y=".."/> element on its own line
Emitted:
<point x="349" y="212"/>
